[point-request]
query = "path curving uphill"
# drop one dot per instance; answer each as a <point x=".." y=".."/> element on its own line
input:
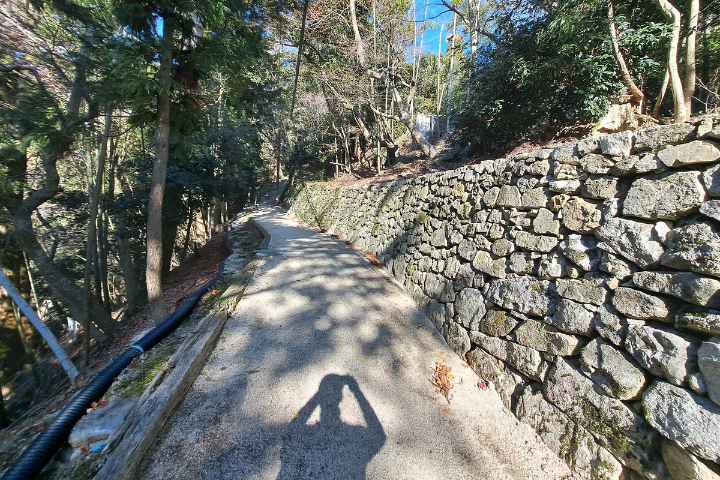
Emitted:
<point x="324" y="371"/>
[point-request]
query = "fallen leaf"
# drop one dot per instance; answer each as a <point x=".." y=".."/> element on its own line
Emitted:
<point x="420" y="327"/>
<point x="432" y="334"/>
<point x="206" y="371"/>
<point x="297" y="415"/>
<point x="446" y="410"/>
<point x="223" y="368"/>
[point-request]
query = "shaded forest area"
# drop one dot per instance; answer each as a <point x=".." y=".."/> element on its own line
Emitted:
<point x="131" y="130"/>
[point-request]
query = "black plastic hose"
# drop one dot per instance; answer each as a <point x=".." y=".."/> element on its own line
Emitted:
<point x="39" y="453"/>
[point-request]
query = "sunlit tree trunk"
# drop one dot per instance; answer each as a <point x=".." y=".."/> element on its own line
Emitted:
<point x="690" y="63"/>
<point x="153" y="271"/>
<point x="91" y="244"/>
<point x="637" y="94"/>
<point x="673" y="15"/>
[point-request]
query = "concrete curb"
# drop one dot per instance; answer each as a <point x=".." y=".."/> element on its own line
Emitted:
<point x="266" y="235"/>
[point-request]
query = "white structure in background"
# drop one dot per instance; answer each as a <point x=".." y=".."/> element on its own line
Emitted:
<point x="432" y="124"/>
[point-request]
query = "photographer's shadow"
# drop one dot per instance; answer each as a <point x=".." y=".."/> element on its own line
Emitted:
<point x="330" y="449"/>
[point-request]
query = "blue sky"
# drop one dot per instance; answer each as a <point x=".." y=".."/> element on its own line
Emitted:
<point x="438" y="14"/>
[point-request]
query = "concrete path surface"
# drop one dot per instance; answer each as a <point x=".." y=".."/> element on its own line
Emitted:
<point x="324" y="372"/>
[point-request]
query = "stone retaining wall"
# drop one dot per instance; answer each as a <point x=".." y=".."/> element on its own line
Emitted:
<point x="581" y="281"/>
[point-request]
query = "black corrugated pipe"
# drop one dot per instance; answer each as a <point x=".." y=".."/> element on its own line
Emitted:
<point x="39" y="453"/>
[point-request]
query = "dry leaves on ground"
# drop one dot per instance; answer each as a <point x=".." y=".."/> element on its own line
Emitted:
<point x="442" y="379"/>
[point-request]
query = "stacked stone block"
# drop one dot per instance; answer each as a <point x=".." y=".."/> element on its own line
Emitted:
<point x="581" y="281"/>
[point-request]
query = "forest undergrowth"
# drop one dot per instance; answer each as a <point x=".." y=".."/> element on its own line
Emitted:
<point x="181" y="283"/>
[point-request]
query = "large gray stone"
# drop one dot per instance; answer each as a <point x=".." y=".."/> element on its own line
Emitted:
<point x="567" y="439"/>
<point x="565" y="172"/>
<point x="486" y="263"/>
<point x="709" y="363"/>
<point x="572" y="317"/>
<point x="655" y="137"/>
<point x="509" y="196"/>
<point x="667" y="196"/>
<point x="596" y="164"/>
<point x="467" y="249"/>
<point x="489" y="368"/>
<point x="588" y="145"/>
<point x="611" y="326"/>
<point x="535" y="198"/>
<point x="709" y="127"/>
<point x="99" y="424"/>
<point x="502" y="247"/>
<point x="711" y="179"/>
<point x="616" y="266"/>
<point x="546" y="338"/>
<point x="581" y="250"/>
<point x="615" y="371"/>
<point x="470" y="308"/>
<point x="545" y="223"/>
<point x="435" y="311"/>
<point x="600" y="188"/>
<point x="491" y="196"/>
<point x="700" y="321"/>
<point x="639" y="305"/>
<point x="636" y="241"/>
<point x="697" y="151"/>
<point x="439" y="238"/>
<point x="566" y="154"/>
<point x="581" y="216"/>
<point x="523" y="294"/>
<point x="711" y="208"/>
<point x="694" y="247"/>
<point x="522" y="263"/>
<point x="535" y="243"/>
<point x="457" y="338"/>
<point x="526" y="360"/>
<point x="565" y="186"/>
<point x="663" y="352"/>
<point x="552" y="266"/>
<point x="497" y="323"/>
<point x="586" y="290"/>
<point x="683" y="465"/>
<point x="693" y="422"/>
<point x="615" y="425"/>
<point x="688" y="286"/>
<point x="617" y="144"/>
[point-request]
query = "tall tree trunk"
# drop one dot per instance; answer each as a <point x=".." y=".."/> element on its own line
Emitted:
<point x="405" y="115"/>
<point x="661" y="95"/>
<point x="673" y="15"/>
<point x="172" y="203"/>
<point x="63" y="288"/>
<point x="637" y="94"/>
<point x="91" y="245"/>
<point x="153" y="271"/>
<point x="690" y="63"/>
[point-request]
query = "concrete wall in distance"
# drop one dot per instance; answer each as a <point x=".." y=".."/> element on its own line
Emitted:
<point x="581" y="281"/>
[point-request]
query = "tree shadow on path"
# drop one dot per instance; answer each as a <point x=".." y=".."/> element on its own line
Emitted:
<point x="331" y="449"/>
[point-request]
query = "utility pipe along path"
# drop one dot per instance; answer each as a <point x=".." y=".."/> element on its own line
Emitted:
<point x="324" y="371"/>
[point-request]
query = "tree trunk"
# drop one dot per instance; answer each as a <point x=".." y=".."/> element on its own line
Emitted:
<point x="91" y="244"/>
<point x="405" y="115"/>
<point x="661" y="95"/>
<point x="63" y="288"/>
<point x="690" y="63"/>
<point x="673" y="15"/>
<point x="637" y="94"/>
<point x="153" y="271"/>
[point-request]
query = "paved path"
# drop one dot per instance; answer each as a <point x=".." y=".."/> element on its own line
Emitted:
<point x="318" y="326"/>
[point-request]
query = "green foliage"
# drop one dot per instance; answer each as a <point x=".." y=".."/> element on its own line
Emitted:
<point x="558" y="68"/>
